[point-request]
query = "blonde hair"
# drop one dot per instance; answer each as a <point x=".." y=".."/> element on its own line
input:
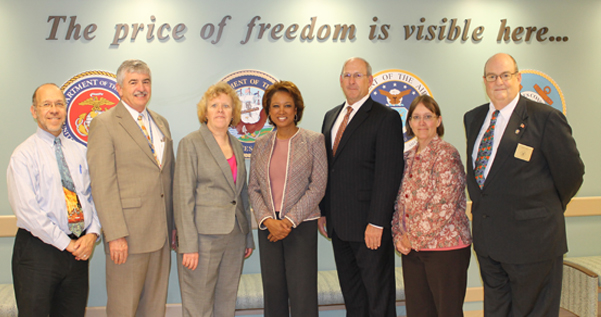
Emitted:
<point x="212" y="93"/>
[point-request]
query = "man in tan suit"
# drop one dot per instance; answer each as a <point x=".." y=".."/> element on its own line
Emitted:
<point x="130" y="154"/>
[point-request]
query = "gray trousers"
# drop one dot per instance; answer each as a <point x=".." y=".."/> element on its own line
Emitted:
<point x="211" y="289"/>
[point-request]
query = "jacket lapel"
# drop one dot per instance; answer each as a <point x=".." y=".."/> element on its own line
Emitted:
<point x="217" y="154"/>
<point x="240" y="161"/>
<point x="166" y="136"/>
<point x="328" y="125"/>
<point x="133" y="129"/>
<point x="474" y="130"/>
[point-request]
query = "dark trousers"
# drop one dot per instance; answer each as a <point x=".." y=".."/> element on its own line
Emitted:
<point x="435" y="282"/>
<point x="289" y="270"/>
<point x="47" y="281"/>
<point x="532" y="289"/>
<point x="366" y="276"/>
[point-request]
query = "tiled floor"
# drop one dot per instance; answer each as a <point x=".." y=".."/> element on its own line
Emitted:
<point x="562" y="313"/>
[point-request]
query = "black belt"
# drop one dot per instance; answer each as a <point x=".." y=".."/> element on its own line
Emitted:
<point x="74" y="237"/>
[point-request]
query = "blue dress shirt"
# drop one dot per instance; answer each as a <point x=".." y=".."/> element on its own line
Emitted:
<point x="35" y="191"/>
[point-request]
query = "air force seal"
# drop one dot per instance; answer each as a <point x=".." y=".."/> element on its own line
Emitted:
<point x="396" y="89"/>
<point x="539" y="87"/>
<point x="250" y="86"/>
<point x="88" y="95"/>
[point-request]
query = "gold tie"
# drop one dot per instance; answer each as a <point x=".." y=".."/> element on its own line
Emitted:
<point x="341" y="129"/>
<point x="141" y="124"/>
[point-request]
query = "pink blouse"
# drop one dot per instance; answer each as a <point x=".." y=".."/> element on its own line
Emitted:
<point x="233" y="166"/>
<point x="277" y="171"/>
<point x="431" y="203"/>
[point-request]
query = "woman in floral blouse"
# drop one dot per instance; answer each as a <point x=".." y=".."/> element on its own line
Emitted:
<point x="430" y="227"/>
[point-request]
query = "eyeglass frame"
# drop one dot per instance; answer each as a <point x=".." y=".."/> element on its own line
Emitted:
<point x="426" y="118"/>
<point x="505" y="74"/>
<point x="48" y="105"/>
<point x="356" y="76"/>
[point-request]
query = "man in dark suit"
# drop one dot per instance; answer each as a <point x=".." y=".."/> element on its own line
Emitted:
<point x="364" y="143"/>
<point x="130" y="154"/>
<point x="523" y="168"/>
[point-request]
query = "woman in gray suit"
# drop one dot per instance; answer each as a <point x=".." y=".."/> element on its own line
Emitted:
<point x="212" y="214"/>
<point x="288" y="173"/>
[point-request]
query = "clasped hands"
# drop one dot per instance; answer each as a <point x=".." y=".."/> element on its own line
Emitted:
<point x="82" y="247"/>
<point x="278" y="229"/>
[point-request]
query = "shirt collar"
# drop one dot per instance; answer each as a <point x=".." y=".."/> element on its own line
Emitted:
<point x="134" y="113"/>
<point x="48" y="137"/>
<point x="413" y="150"/>
<point x="508" y="110"/>
<point x="357" y="104"/>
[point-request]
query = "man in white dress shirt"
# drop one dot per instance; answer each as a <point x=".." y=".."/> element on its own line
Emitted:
<point x="130" y="153"/>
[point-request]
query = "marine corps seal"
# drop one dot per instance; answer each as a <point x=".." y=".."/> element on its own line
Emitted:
<point x="88" y="95"/>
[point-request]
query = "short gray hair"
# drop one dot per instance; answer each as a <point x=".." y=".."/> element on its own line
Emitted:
<point x="132" y="66"/>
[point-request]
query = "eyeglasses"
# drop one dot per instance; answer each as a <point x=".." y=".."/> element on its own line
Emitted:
<point x="46" y="105"/>
<point x="357" y="76"/>
<point x="427" y="118"/>
<point x="504" y="77"/>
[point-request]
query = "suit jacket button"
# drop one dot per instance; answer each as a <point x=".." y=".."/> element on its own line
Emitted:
<point x="162" y="195"/>
<point x="484" y="216"/>
<point x="233" y="202"/>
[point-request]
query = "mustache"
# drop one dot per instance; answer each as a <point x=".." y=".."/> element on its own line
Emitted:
<point x="140" y="94"/>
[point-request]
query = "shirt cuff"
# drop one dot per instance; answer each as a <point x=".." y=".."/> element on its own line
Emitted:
<point x="291" y="221"/>
<point x="376" y="226"/>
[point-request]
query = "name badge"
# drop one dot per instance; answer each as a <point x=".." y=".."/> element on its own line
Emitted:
<point x="523" y="152"/>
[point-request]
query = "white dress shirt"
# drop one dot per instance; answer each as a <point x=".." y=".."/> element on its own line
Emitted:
<point x="502" y="121"/>
<point x="156" y="136"/>
<point x="35" y="191"/>
<point x="356" y="106"/>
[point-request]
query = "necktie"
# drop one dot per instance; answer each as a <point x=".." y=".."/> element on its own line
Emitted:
<point x="485" y="149"/>
<point x="74" y="211"/>
<point x="342" y="128"/>
<point x="143" y="128"/>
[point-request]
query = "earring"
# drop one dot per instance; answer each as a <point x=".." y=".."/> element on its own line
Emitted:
<point x="295" y="117"/>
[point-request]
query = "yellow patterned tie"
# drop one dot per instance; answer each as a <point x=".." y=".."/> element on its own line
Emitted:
<point x="141" y="124"/>
<point x="74" y="211"/>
